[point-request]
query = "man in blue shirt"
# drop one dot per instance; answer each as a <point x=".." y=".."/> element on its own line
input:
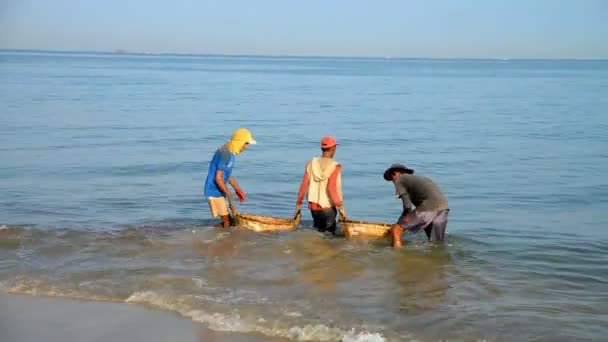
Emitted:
<point x="220" y="172"/>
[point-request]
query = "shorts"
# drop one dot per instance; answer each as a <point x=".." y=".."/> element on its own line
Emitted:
<point x="325" y="220"/>
<point x="218" y="206"/>
<point x="434" y="223"/>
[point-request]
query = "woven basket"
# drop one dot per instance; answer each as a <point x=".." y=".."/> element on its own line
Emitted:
<point x="260" y="223"/>
<point x="352" y="228"/>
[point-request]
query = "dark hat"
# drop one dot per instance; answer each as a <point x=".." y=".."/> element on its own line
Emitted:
<point x="396" y="167"/>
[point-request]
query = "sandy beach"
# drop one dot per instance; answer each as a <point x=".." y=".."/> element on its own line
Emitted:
<point x="35" y="319"/>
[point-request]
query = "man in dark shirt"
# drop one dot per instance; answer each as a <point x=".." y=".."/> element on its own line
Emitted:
<point x="424" y="205"/>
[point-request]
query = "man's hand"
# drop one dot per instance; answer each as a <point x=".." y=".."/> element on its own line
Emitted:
<point x="343" y="216"/>
<point x="298" y="209"/>
<point x="228" y="196"/>
<point x="240" y="193"/>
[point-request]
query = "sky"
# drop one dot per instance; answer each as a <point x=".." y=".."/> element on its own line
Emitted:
<point x="372" y="28"/>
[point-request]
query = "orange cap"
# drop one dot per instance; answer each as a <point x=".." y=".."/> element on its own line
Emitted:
<point x="328" y="142"/>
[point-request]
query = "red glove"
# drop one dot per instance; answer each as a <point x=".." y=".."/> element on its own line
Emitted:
<point x="240" y="194"/>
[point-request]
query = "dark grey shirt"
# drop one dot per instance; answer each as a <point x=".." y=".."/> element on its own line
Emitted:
<point x="421" y="192"/>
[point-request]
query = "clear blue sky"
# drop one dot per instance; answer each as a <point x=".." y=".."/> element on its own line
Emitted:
<point x="398" y="28"/>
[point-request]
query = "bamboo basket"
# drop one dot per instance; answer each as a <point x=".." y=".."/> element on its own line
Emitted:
<point x="352" y="228"/>
<point x="261" y="223"/>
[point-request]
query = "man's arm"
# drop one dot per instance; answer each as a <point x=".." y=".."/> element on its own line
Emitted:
<point x="219" y="179"/>
<point x="233" y="183"/>
<point x="407" y="204"/>
<point x="240" y="193"/>
<point x="332" y="188"/>
<point x="401" y="192"/>
<point x="303" y="189"/>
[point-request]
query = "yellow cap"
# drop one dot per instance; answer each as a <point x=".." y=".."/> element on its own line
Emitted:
<point x="243" y="135"/>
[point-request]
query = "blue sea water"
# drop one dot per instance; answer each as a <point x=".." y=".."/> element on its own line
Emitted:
<point x="106" y="148"/>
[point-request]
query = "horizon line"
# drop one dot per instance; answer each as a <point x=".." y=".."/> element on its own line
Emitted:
<point x="238" y="55"/>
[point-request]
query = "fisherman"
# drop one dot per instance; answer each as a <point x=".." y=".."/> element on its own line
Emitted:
<point x="220" y="172"/>
<point x="323" y="181"/>
<point x="431" y="205"/>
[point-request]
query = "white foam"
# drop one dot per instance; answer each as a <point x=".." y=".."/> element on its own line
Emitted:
<point x="200" y="283"/>
<point x="292" y="313"/>
<point x="352" y="336"/>
<point x="146" y="297"/>
<point x="235" y="323"/>
<point x="321" y="332"/>
<point x="221" y="322"/>
<point x="231" y="322"/>
<point x="317" y="332"/>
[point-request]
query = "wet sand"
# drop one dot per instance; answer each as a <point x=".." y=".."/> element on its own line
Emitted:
<point x="29" y="319"/>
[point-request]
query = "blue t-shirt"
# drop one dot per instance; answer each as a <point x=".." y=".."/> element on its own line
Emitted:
<point x="222" y="160"/>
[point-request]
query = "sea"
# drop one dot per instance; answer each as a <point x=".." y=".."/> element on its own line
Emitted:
<point x="103" y="159"/>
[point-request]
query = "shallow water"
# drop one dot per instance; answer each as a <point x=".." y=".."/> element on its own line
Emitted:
<point x="104" y="158"/>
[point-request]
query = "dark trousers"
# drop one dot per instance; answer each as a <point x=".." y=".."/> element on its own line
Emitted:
<point x="325" y="220"/>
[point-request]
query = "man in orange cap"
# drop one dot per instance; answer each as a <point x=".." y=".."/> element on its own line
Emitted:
<point x="323" y="181"/>
<point x="220" y="172"/>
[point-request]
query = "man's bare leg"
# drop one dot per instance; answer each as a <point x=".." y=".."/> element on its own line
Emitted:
<point x="396" y="232"/>
<point x="226" y="221"/>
